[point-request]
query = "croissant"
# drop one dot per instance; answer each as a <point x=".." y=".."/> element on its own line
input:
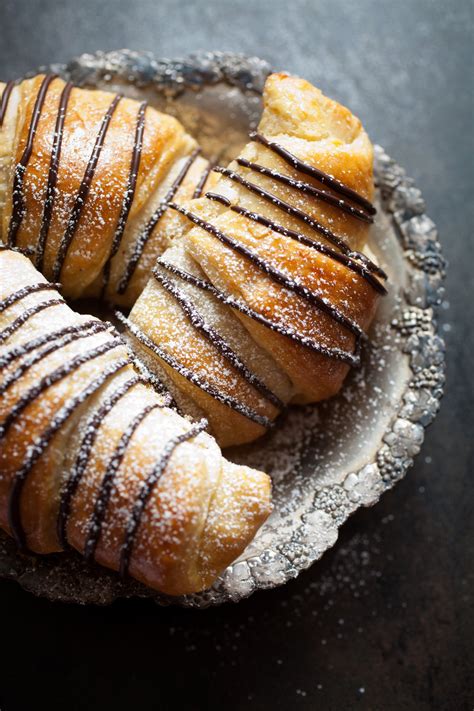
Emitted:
<point x="265" y="298"/>
<point x="92" y="457"/>
<point x="85" y="180"/>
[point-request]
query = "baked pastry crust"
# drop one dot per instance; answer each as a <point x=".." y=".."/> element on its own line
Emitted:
<point x="79" y="450"/>
<point x="260" y="298"/>
<point x="98" y="171"/>
<point x="271" y="263"/>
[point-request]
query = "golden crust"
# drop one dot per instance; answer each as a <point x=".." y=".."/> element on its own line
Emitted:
<point x="165" y="147"/>
<point x="202" y="511"/>
<point x="325" y="135"/>
<point x="217" y="355"/>
<point x="171" y="327"/>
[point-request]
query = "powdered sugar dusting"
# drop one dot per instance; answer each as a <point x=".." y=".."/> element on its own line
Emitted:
<point x="407" y="384"/>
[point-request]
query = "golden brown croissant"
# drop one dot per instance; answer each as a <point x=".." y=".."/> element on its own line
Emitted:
<point x="85" y="178"/>
<point x="266" y="298"/>
<point x="92" y="457"/>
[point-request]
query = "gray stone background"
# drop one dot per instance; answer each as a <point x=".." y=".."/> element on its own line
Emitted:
<point x="385" y="620"/>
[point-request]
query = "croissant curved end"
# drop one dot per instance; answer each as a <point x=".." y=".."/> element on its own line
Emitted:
<point x="238" y="508"/>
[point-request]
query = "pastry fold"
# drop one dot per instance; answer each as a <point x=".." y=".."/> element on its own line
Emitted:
<point x="92" y="457"/>
<point x="85" y="179"/>
<point x="266" y="298"/>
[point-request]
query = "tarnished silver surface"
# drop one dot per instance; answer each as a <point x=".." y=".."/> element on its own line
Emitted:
<point x="327" y="460"/>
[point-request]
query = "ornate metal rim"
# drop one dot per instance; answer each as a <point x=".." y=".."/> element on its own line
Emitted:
<point x="416" y="324"/>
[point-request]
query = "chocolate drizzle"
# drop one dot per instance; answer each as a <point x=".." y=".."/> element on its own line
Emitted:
<point x="191" y="376"/>
<point x="40" y="445"/>
<point x="313" y="172"/>
<point x="52" y="175"/>
<point x="151" y="379"/>
<point x="216" y="340"/>
<point x="368" y="266"/>
<point x="23" y="349"/>
<point x="26" y="291"/>
<point x="52" y="378"/>
<point x="307" y="188"/>
<point x="347" y="261"/>
<point x="92" y="428"/>
<point x="275" y="274"/>
<point x="100" y="508"/>
<point x="52" y="347"/>
<point x="84" y="189"/>
<point x="130" y="190"/>
<point x="27" y="314"/>
<point x="223" y="201"/>
<point x="336" y="353"/>
<point x="362" y="209"/>
<point x="145" y="235"/>
<point x="354" y="260"/>
<point x="18" y="207"/>
<point x="202" y="181"/>
<point x="146" y="490"/>
<point x="6" y="93"/>
<point x="291" y="210"/>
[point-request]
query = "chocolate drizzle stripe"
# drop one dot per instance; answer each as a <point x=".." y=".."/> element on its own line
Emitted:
<point x="84" y="189"/>
<point x="307" y="169"/>
<point x="229" y="300"/>
<point x="52" y="378"/>
<point x="105" y="491"/>
<point x="347" y="261"/>
<point x="52" y="175"/>
<point x="307" y="188"/>
<point x="217" y="341"/>
<point x="130" y="190"/>
<point x="286" y="207"/>
<point x="81" y="461"/>
<point x="202" y="181"/>
<point x="278" y="276"/>
<point x="38" y="448"/>
<point x="27" y="314"/>
<point x="6" y="93"/>
<point x="51" y="347"/>
<point x="18" y="208"/>
<point x="146" y="233"/>
<point x="26" y="291"/>
<point x="192" y="377"/>
<point x="369" y="266"/>
<point x="146" y="490"/>
<point x="223" y="200"/>
<point x="151" y="379"/>
<point x="24" y="348"/>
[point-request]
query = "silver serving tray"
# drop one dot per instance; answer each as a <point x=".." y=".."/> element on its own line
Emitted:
<point x="325" y="460"/>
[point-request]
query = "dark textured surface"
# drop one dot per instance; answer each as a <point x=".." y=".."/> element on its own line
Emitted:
<point x="385" y="620"/>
